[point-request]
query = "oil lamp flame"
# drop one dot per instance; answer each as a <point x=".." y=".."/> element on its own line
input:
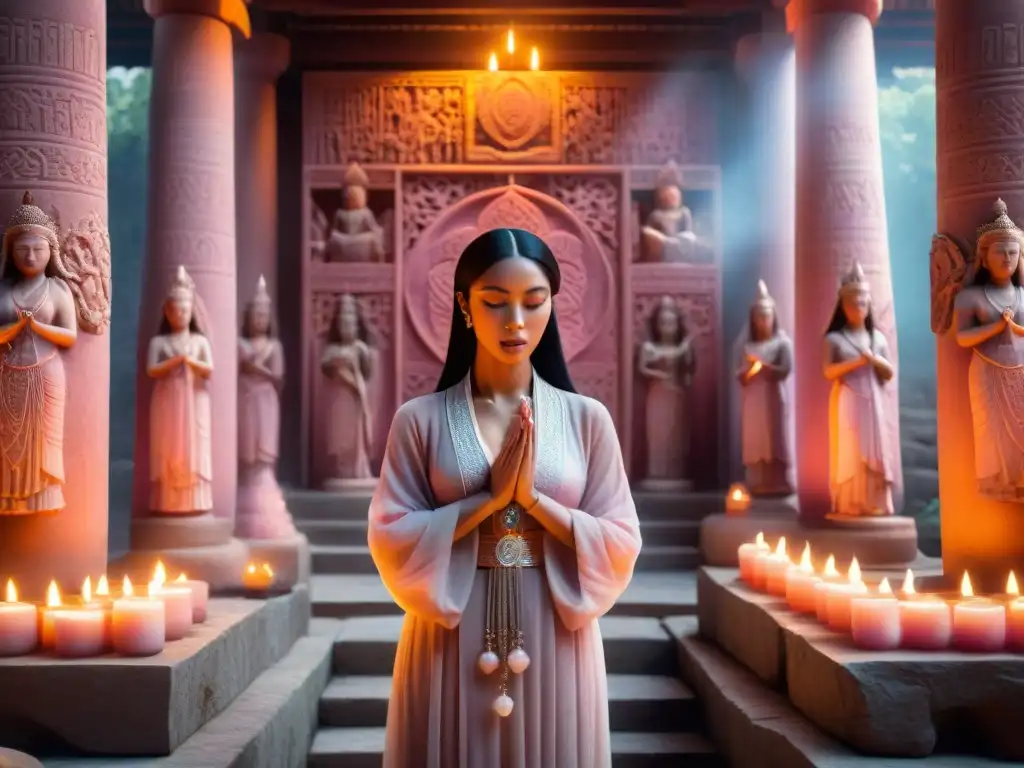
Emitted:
<point x="510" y="41"/>
<point x="966" y="589"/>
<point x="830" y="568"/>
<point x="1011" y="585"/>
<point x="755" y="368"/>
<point x="805" y="559"/>
<point x="780" y="548"/>
<point x="53" y="595"/>
<point x="11" y="593"/>
<point x="884" y="588"/>
<point x="126" y="587"/>
<point x="908" y="583"/>
<point x="492" y="63"/>
<point x="87" y="590"/>
<point x="853" y="575"/>
<point x="103" y="586"/>
<point x="534" y="59"/>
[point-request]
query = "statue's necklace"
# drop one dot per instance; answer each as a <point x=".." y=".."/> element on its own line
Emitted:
<point x="996" y="306"/>
<point x="43" y="291"/>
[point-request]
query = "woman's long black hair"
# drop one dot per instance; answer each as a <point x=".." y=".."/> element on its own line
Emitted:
<point x="480" y="255"/>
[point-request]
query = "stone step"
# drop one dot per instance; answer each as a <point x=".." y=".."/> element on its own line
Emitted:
<point x="632" y="646"/>
<point x="652" y="594"/>
<point x="364" y="747"/>
<point x="643" y="703"/>
<point x="685" y="533"/>
<point x="355" y="558"/>
<point x="352" y="505"/>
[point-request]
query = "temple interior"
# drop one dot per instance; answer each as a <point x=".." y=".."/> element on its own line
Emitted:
<point x="191" y="442"/>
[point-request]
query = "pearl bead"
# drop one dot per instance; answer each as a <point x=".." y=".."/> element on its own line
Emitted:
<point x="503" y="705"/>
<point x="518" y="661"/>
<point x="488" y="662"/>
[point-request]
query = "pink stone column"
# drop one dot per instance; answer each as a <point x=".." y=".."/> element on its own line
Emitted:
<point x="53" y="142"/>
<point x="979" y="77"/>
<point x="259" y="62"/>
<point x="840" y="216"/>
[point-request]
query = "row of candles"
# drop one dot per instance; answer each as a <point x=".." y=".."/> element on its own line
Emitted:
<point x="880" y="619"/>
<point x="96" y="622"/>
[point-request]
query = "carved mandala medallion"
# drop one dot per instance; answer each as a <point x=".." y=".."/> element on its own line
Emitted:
<point x="512" y="111"/>
<point x="587" y="287"/>
<point x="85" y="266"/>
<point x="509" y="550"/>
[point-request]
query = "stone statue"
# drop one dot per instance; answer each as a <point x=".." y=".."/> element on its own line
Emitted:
<point x="262" y="511"/>
<point x="38" y="319"/>
<point x="856" y="362"/>
<point x="668" y="361"/>
<point x="348" y="362"/>
<point x="668" y="233"/>
<point x="987" y="316"/>
<point x="355" y="234"/>
<point x="765" y="360"/>
<point x="180" y="362"/>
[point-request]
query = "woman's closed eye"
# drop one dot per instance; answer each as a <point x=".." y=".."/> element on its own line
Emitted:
<point x="501" y="304"/>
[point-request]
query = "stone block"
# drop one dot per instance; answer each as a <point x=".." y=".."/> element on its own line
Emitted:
<point x="119" y="706"/>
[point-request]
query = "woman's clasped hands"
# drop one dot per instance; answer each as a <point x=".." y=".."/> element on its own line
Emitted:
<point x="512" y="476"/>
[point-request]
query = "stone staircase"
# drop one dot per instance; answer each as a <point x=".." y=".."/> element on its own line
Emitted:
<point x="656" y="721"/>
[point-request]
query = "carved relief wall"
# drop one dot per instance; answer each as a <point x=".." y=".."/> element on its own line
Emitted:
<point x="572" y="157"/>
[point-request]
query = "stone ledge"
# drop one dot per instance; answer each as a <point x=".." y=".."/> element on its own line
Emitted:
<point x="270" y="725"/>
<point x="119" y="706"/>
<point x="755" y="726"/>
<point x="900" y="703"/>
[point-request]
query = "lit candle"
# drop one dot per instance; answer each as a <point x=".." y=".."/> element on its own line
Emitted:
<point x="510" y="41"/>
<point x="761" y="560"/>
<point x="200" y="596"/>
<point x="875" y="619"/>
<point x="102" y="598"/>
<point x="492" y="63"/>
<point x="79" y="631"/>
<point x="979" y="624"/>
<point x="839" y="597"/>
<point x="926" y="621"/>
<point x="747" y="553"/>
<point x="138" y="625"/>
<point x="177" y="604"/>
<point x="776" y="568"/>
<point x="534" y="59"/>
<point x="800" y="584"/>
<point x="737" y="500"/>
<point x="53" y="600"/>
<point x="1012" y="590"/>
<point x="829" y="578"/>
<point x="258" y="579"/>
<point x="19" y="624"/>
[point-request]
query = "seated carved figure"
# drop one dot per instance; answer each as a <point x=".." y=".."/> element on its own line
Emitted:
<point x="38" y="319"/>
<point x="668" y="232"/>
<point x="180" y="362"/>
<point x="355" y="234"/>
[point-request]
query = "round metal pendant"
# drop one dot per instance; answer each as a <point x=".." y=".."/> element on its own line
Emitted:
<point x="509" y="550"/>
<point x="511" y="518"/>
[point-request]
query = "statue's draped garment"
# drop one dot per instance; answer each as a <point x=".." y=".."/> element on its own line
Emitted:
<point x="259" y="407"/>
<point x="435" y="471"/>
<point x="350" y="421"/>
<point x="764" y="404"/>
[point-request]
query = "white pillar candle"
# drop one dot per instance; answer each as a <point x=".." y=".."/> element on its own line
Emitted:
<point x="19" y="624"/>
<point x="137" y="624"/>
<point x="875" y="620"/>
<point x="829" y="576"/>
<point x="1014" y="624"/>
<point x="177" y="609"/>
<point x="79" y="632"/>
<point x="979" y="626"/>
<point x="776" y="571"/>
<point x="926" y="623"/>
<point x="801" y="590"/>
<point x="763" y="562"/>
<point x="838" y="604"/>
<point x="200" y="596"/>
<point x="747" y="553"/>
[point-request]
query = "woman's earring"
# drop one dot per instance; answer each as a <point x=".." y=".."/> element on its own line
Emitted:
<point x="469" y="320"/>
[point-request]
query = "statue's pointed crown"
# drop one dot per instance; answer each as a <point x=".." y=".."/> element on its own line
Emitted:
<point x="1001" y="223"/>
<point x="261" y="296"/>
<point x="762" y="297"/>
<point x="30" y="218"/>
<point x="854" y="280"/>
<point x="355" y="176"/>
<point x="182" y="286"/>
<point x="669" y="175"/>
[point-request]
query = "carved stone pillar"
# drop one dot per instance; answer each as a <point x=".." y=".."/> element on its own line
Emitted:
<point x="191" y="222"/>
<point x="259" y="62"/>
<point x="53" y="68"/>
<point x="840" y="217"/>
<point x="979" y="77"/>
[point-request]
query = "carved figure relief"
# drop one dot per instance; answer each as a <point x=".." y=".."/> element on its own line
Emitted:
<point x="85" y="267"/>
<point x="667" y="235"/>
<point x="180" y="362"/>
<point x="38" y="320"/>
<point x="988" y="318"/>
<point x="348" y="362"/>
<point x="667" y="361"/>
<point x="857" y="362"/>
<point x="764" y="362"/>
<point x="354" y="234"/>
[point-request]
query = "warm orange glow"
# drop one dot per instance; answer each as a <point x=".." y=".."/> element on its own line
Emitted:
<point x="757" y="366"/>
<point x="759" y="541"/>
<point x="182" y="578"/>
<point x="268" y="570"/>
<point x="11" y="593"/>
<point x="908" y="583"/>
<point x="805" y="559"/>
<point x="510" y="41"/>
<point x="966" y="590"/>
<point x="853" y="575"/>
<point x="780" y="548"/>
<point x="884" y="588"/>
<point x="830" y="572"/>
<point x="534" y="59"/>
<point x="159" y="574"/>
<point x="126" y="588"/>
<point x="1011" y="585"/>
<point x="53" y="595"/>
<point x="103" y="587"/>
<point x="87" y="590"/>
<point x="492" y="63"/>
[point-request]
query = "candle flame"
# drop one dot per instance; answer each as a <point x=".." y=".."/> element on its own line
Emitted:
<point x="510" y="41"/>
<point x="492" y="63"/>
<point x="126" y="587"/>
<point x="908" y="583"/>
<point x="11" y="593"/>
<point x="159" y="574"/>
<point x="759" y="541"/>
<point x="53" y="595"/>
<point x="780" y="548"/>
<point x="103" y="587"/>
<point x="250" y="568"/>
<point x="805" y="559"/>
<point x="853" y="574"/>
<point x="534" y="59"/>
<point x="737" y="494"/>
<point x="830" y="568"/>
<point x="884" y="588"/>
<point x="757" y="366"/>
<point x="87" y="590"/>
<point x="182" y="578"/>
<point x="966" y="590"/>
<point x="1011" y="585"/>
<point x="268" y="570"/>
